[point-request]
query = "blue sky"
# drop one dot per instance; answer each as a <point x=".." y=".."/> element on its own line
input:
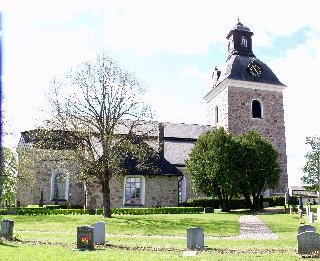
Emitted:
<point x="172" y="46"/>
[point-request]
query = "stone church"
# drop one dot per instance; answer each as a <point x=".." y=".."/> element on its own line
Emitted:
<point x="245" y="95"/>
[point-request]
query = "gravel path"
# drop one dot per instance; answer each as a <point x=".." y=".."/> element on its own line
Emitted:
<point x="251" y="227"/>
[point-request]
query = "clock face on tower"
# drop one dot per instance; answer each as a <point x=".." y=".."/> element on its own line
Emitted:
<point x="254" y="69"/>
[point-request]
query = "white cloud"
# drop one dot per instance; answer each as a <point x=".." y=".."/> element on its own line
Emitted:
<point x="193" y="72"/>
<point x="42" y="38"/>
<point x="298" y="69"/>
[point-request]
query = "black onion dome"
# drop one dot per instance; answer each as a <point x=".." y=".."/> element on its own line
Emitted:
<point x="236" y="68"/>
<point x="241" y="27"/>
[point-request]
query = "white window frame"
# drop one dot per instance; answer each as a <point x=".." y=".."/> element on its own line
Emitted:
<point x="244" y="41"/>
<point x="183" y="187"/>
<point x="142" y="190"/>
<point x="53" y="175"/>
<point x="216" y="114"/>
<point x="261" y="107"/>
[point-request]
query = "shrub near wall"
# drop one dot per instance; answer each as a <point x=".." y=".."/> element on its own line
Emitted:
<point x="237" y="203"/>
<point x="215" y="203"/>
<point x="35" y="211"/>
<point x="146" y="211"/>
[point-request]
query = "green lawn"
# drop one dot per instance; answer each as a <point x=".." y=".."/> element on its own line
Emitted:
<point x="54" y="237"/>
<point x="175" y="225"/>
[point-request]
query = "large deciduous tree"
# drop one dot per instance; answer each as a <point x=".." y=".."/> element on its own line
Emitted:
<point x="312" y="166"/>
<point x="102" y="106"/>
<point x="212" y="165"/>
<point x="258" y="168"/>
<point x="225" y="166"/>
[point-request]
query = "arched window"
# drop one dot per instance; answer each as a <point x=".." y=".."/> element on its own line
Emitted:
<point x="256" y="109"/>
<point x="134" y="190"/>
<point x="182" y="190"/>
<point x="216" y="114"/>
<point x="59" y="185"/>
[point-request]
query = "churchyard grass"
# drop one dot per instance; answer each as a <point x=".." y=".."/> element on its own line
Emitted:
<point x="174" y="225"/>
<point x="42" y="236"/>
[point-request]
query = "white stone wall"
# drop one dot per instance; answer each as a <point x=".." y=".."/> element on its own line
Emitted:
<point x="220" y="100"/>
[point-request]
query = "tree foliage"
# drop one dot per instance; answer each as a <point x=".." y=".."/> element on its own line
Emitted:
<point x="102" y="106"/>
<point x="258" y="168"/>
<point x="8" y="179"/>
<point x="312" y="166"/>
<point x="211" y="164"/>
<point x="225" y="166"/>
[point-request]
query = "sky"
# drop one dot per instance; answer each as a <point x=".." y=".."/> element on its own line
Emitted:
<point x="171" y="46"/>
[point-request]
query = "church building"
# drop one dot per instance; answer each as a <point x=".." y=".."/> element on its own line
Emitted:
<point x="245" y="95"/>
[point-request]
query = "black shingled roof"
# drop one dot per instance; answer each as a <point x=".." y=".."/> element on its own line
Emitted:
<point x="236" y="68"/>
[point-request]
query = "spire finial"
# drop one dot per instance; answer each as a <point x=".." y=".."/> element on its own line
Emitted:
<point x="238" y="19"/>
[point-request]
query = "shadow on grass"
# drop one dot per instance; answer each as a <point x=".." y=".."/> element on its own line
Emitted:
<point x="7" y="244"/>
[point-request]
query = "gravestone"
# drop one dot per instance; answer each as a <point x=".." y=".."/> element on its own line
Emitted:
<point x="195" y="238"/>
<point x="305" y="228"/>
<point x="7" y="229"/>
<point x="308" y="242"/>
<point x="99" y="234"/>
<point x="291" y="210"/>
<point x="318" y="213"/>
<point x="311" y="217"/>
<point x="208" y="210"/>
<point x="300" y="213"/>
<point x="85" y="238"/>
<point x="308" y="210"/>
<point x="287" y="198"/>
<point x="300" y="203"/>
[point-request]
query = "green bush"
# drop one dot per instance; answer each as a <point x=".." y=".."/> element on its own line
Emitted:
<point x="55" y="207"/>
<point x="3" y="211"/>
<point x="35" y="211"/>
<point x="280" y="201"/>
<point x="202" y="202"/>
<point x="214" y="203"/>
<point x="45" y="211"/>
<point x="164" y="210"/>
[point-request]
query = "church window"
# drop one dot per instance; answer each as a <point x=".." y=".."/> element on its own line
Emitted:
<point x="256" y="109"/>
<point x="59" y="185"/>
<point x="134" y="190"/>
<point x="216" y="114"/>
<point x="182" y="190"/>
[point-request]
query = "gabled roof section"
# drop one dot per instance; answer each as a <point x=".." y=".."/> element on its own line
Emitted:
<point x="49" y="139"/>
<point x="184" y="131"/>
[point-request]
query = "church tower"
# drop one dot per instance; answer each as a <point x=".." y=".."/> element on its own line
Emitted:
<point x="246" y="95"/>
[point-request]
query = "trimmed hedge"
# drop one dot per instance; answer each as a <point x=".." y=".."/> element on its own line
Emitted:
<point x="3" y="211"/>
<point x="35" y="211"/>
<point x="214" y="203"/>
<point x="237" y="203"/>
<point x="162" y="210"/>
<point x="44" y="211"/>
